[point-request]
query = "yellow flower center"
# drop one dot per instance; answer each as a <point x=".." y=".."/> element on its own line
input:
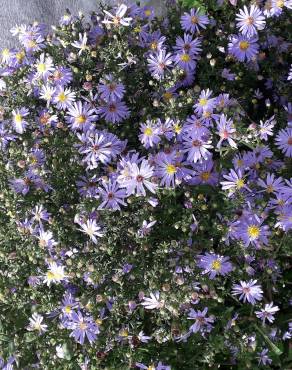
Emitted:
<point x="216" y="265"/>
<point x="68" y="309"/>
<point x="98" y="321"/>
<point x="243" y="45"/>
<point x="280" y="3"/>
<point x="41" y="67"/>
<point x="50" y="275"/>
<point x="203" y="102"/>
<point x="167" y="95"/>
<point x="31" y="44"/>
<point x="147" y="12"/>
<point x="177" y="128"/>
<point x="270" y="189"/>
<point x="185" y="58"/>
<point x="5" y="52"/>
<point x="18" y="118"/>
<point x="83" y="326"/>
<point x="62" y="97"/>
<point x="81" y="119"/>
<point x="124" y="333"/>
<point x="170" y="169"/>
<point x="148" y="131"/>
<point x="240" y="183"/>
<point x="253" y="231"/>
<point x="151" y="367"/>
<point x="205" y="176"/>
<point x="239" y="162"/>
<point x="20" y="55"/>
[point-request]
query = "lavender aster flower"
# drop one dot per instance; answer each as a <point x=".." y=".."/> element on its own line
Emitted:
<point x="158" y="63"/>
<point x="80" y="116"/>
<point x="18" y="120"/>
<point x="119" y="18"/>
<point x="191" y="22"/>
<point x="267" y="313"/>
<point x="226" y="131"/>
<point x="264" y="358"/>
<point x="114" y="111"/>
<point x="214" y="264"/>
<point x="249" y="21"/>
<point x="284" y="141"/>
<point x="202" y="322"/>
<point x="205" y="102"/>
<point x="111" y="91"/>
<point x="112" y="196"/>
<point x="63" y="97"/>
<point x="83" y="327"/>
<point x="188" y="45"/>
<point x="248" y="291"/>
<point x="149" y="136"/>
<point x="196" y="147"/>
<point x="243" y="47"/>
<point x="266" y="128"/>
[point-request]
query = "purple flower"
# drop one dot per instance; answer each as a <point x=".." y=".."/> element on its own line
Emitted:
<point x="272" y="184"/>
<point x="112" y="196"/>
<point x="158" y="63"/>
<point x="285" y="217"/>
<point x="264" y="358"/>
<point x="205" y="102"/>
<point x="266" y="128"/>
<point x="80" y="116"/>
<point x="284" y="141"/>
<point x="18" y="119"/>
<point x="228" y="75"/>
<point x="196" y="147"/>
<point x="62" y="76"/>
<point x="248" y="291"/>
<point x="137" y="178"/>
<point x="235" y="181"/>
<point x="202" y="322"/>
<point x="114" y="111"/>
<point x="188" y="45"/>
<point x="82" y="326"/>
<point x="267" y="313"/>
<point x="63" y="97"/>
<point x="204" y="174"/>
<point x="111" y="91"/>
<point x="214" y="264"/>
<point x="191" y="22"/>
<point x="40" y="214"/>
<point x="87" y="187"/>
<point x="243" y="47"/>
<point x="150" y="132"/>
<point x="169" y="169"/>
<point x="185" y="61"/>
<point x="249" y="21"/>
<point x="68" y="305"/>
<point x="226" y="131"/>
<point x="250" y="230"/>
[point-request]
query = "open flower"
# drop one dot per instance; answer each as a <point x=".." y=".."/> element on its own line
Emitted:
<point x="248" y="291"/>
<point x="119" y="18"/>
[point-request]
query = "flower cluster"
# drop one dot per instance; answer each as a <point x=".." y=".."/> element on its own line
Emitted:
<point x="146" y="189"/>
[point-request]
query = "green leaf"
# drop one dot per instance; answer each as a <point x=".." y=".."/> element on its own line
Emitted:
<point x="277" y="351"/>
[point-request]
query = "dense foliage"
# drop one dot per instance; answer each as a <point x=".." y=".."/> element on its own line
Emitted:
<point x="146" y="190"/>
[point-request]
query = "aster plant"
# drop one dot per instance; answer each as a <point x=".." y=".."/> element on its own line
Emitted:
<point x="146" y="189"/>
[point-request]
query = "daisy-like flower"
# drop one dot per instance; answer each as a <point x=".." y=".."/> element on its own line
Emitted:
<point x="243" y="47"/>
<point x="272" y="184"/>
<point x="251" y="231"/>
<point x="40" y="214"/>
<point x="91" y="229"/>
<point x="188" y="45"/>
<point x="110" y="90"/>
<point x="263" y="358"/>
<point x="46" y="239"/>
<point x="119" y="18"/>
<point x="46" y="93"/>
<point x="145" y="230"/>
<point x="138" y="177"/>
<point x="81" y="44"/>
<point x="150" y="132"/>
<point x="185" y="61"/>
<point x="166" y="169"/>
<point x="55" y="274"/>
<point x="248" y="291"/>
<point x="191" y="22"/>
<point x="205" y="102"/>
<point x="284" y="141"/>
<point x="202" y="322"/>
<point x="114" y="111"/>
<point x="80" y="116"/>
<point x="235" y="181"/>
<point x="249" y="21"/>
<point x="63" y="97"/>
<point x="18" y="119"/>
<point x="82" y="327"/>
<point x="196" y="147"/>
<point x="112" y="196"/>
<point x="153" y="302"/>
<point x="44" y="67"/>
<point x="267" y="313"/>
<point x="214" y="264"/>
<point x="158" y="63"/>
<point x="266" y="128"/>
<point x="62" y="76"/>
<point x="35" y="323"/>
<point x="204" y="174"/>
<point x="226" y="130"/>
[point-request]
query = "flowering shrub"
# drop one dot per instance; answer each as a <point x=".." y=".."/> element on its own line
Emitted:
<point x="145" y="197"/>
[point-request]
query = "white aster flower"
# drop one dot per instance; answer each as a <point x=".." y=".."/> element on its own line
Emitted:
<point x="35" y="324"/>
<point x="118" y="18"/>
<point x="55" y="274"/>
<point x="153" y="302"/>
